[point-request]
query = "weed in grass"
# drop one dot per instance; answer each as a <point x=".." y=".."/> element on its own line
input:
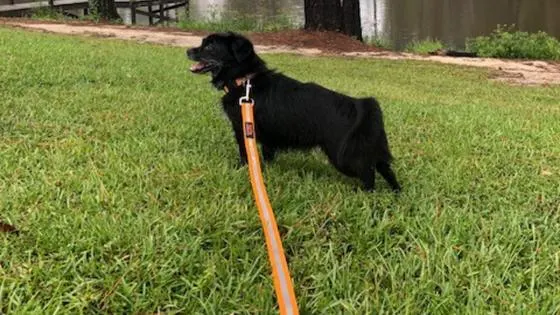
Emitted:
<point x="424" y="47"/>
<point x="119" y="172"/>
<point x="506" y="42"/>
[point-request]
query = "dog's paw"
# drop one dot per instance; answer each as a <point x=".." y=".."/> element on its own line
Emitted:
<point x="268" y="154"/>
<point x="363" y="189"/>
<point x="268" y="158"/>
<point x="368" y="187"/>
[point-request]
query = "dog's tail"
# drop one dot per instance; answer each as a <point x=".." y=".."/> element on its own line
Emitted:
<point x="364" y="109"/>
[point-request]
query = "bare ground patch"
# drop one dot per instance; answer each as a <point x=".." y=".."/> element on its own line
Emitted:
<point x="305" y="43"/>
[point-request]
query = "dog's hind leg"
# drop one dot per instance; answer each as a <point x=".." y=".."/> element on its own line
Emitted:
<point x="368" y="179"/>
<point x="384" y="168"/>
<point x="364" y="170"/>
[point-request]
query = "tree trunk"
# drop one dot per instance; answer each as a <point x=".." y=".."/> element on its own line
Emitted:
<point x="334" y="15"/>
<point x="323" y="15"/>
<point x="351" y="20"/>
<point x="104" y="9"/>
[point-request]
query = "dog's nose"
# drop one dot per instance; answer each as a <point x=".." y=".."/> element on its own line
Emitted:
<point x="190" y="52"/>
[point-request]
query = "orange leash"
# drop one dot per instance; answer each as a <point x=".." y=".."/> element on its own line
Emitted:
<point x="280" y="273"/>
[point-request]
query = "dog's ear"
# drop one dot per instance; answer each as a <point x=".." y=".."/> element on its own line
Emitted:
<point x="242" y="48"/>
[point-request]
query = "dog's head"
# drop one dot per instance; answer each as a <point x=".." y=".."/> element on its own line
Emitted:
<point x="226" y="56"/>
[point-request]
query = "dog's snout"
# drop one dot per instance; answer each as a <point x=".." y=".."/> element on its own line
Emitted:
<point x="191" y="53"/>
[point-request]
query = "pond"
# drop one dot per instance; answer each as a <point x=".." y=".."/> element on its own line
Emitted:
<point x="401" y="21"/>
<point x="398" y="22"/>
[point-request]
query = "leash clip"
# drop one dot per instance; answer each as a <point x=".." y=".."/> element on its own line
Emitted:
<point x="246" y="98"/>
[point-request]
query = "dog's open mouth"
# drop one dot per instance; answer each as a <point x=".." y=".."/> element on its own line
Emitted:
<point x="200" y="67"/>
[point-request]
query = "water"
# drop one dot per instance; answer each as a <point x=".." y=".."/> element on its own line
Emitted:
<point x="401" y="21"/>
<point x="267" y="8"/>
<point x="144" y="20"/>
<point x="452" y="21"/>
<point x="398" y="22"/>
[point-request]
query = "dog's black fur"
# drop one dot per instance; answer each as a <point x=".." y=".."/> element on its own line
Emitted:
<point x="294" y="115"/>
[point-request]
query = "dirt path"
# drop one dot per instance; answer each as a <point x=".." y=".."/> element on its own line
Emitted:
<point x="306" y="43"/>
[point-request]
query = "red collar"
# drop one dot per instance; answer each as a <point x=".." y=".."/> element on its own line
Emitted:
<point x="240" y="81"/>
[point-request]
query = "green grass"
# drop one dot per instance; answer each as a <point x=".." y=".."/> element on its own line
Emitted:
<point x="424" y="47"/>
<point x="506" y="42"/>
<point x="118" y="167"/>
<point x="46" y="13"/>
<point x="379" y="42"/>
<point x="237" y="22"/>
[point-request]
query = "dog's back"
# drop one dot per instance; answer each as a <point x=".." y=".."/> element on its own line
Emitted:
<point x="300" y="115"/>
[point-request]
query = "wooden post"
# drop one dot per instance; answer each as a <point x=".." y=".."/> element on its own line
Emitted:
<point x="133" y="12"/>
<point x="150" y="11"/>
<point x="51" y="4"/>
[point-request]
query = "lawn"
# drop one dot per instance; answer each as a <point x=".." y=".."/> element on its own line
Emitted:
<point x="119" y="167"/>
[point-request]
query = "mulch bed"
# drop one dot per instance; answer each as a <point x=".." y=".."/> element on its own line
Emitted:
<point x="330" y="42"/>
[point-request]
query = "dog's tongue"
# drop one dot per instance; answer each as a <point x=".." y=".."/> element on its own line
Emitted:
<point x="197" y="66"/>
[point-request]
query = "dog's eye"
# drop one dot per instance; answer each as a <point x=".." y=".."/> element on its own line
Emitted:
<point x="209" y="47"/>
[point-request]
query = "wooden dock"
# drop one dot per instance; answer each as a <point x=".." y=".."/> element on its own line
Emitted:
<point x="139" y="7"/>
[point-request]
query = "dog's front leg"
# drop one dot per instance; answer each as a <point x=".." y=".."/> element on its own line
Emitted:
<point x="233" y="112"/>
<point x="240" y="144"/>
<point x="268" y="152"/>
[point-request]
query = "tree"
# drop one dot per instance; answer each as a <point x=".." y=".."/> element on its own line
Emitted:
<point x="104" y="9"/>
<point x="334" y="15"/>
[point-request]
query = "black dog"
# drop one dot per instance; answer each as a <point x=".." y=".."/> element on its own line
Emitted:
<point x="294" y="115"/>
